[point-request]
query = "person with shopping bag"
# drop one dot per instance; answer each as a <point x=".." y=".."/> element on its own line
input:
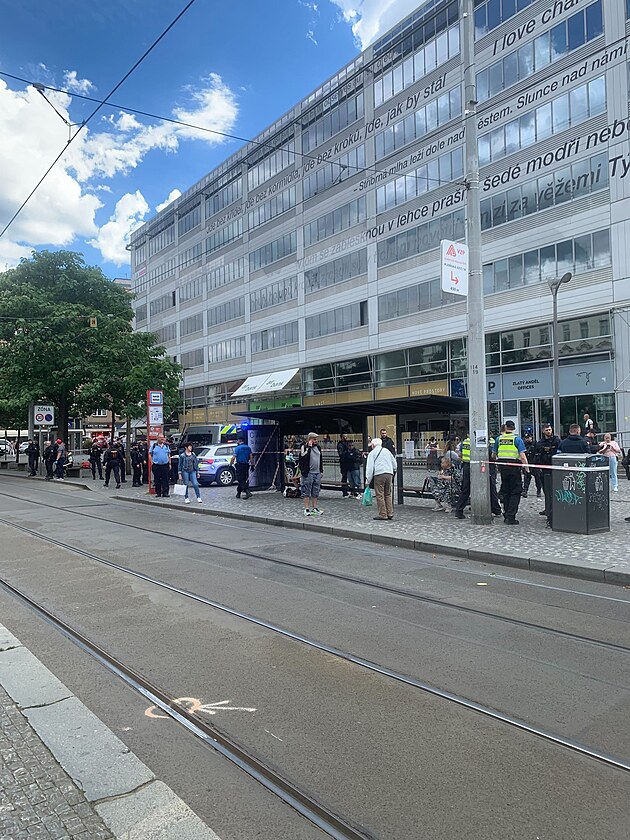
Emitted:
<point x="381" y="466"/>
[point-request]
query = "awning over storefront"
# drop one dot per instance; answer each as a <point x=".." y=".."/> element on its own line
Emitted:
<point x="265" y="383"/>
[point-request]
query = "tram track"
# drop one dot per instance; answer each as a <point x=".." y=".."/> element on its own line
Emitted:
<point x="357" y="581"/>
<point x="486" y="711"/>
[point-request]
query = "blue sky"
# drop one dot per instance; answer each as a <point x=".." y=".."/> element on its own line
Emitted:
<point x="233" y="66"/>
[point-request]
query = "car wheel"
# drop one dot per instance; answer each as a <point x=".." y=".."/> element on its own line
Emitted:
<point x="290" y="471"/>
<point x="225" y="477"/>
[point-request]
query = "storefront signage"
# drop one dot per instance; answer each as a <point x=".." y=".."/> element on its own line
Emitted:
<point x="438" y="388"/>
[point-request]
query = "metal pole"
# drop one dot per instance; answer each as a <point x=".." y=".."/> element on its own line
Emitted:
<point x="477" y="400"/>
<point x="556" y="373"/>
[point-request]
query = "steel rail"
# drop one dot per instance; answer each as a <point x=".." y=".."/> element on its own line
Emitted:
<point x="361" y="581"/>
<point x="486" y="711"/>
<point x="316" y="813"/>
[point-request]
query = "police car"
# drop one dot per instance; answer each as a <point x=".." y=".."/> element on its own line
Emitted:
<point x="215" y="464"/>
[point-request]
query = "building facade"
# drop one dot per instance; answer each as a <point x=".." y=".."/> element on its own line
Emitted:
<point x="316" y="246"/>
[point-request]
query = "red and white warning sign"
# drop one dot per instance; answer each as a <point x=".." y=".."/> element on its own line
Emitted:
<point x="454" y="267"/>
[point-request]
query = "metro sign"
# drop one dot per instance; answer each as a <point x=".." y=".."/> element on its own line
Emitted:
<point x="454" y="268"/>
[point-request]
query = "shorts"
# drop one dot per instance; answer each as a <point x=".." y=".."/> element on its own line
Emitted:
<point x="310" y="485"/>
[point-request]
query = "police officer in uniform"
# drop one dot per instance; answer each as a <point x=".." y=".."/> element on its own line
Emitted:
<point x="95" y="460"/>
<point x="464" y="496"/>
<point x="511" y="457"/>
<point x="136" y="464"/>
<point x="544" y="450"/>
<point x="112" y="460"/>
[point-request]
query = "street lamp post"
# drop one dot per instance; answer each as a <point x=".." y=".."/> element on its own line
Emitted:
<point x="554" y="286"/>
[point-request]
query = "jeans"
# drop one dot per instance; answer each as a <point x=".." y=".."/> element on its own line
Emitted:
<point x="59" y="467"/>
<point x="191" y="478"/>
<point x="612" y="463"/>
<point x="354" y="479"/>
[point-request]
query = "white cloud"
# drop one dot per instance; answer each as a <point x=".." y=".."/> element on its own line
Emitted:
<point x="214" y="106"/>
<point x="64" y="207"/>
<point x="114" y="235"/>
<point x="171" y="197"/>
<point x="76" y="85"/>
<point x="372" y="18"/>
<point x="311" y="36"/>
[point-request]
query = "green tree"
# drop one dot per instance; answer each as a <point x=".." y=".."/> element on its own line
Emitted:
<point x="50" y="350"/>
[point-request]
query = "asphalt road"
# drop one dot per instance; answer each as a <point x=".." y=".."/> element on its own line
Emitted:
<point x="396" y="760"/>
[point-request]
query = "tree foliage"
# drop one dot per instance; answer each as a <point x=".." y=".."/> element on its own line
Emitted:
<point x="50" y="353"/>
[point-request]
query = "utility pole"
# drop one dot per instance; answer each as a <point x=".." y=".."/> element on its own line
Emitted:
<point x="477" y="399"/>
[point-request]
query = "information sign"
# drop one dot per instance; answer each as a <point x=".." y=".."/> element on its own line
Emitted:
<point x="454" y="267"/>
<point x="44" y="415"/>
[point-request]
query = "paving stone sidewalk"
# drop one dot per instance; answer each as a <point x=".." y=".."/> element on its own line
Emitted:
<point x="39" y="799"/>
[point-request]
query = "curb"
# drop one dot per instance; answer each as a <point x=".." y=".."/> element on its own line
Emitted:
<point x="38" y="478"/>
<point x="118" y="787"/>
<point x="532" y="564"/>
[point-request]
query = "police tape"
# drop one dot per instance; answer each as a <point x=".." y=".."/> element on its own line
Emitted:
<point x="563" y="468"/>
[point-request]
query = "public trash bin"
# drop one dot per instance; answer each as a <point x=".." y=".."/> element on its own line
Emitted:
<point x="580" y="501"/>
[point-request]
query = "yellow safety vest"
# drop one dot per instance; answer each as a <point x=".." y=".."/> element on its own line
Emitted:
<point x="507" y="449"/>
<point x="466" y="450"/>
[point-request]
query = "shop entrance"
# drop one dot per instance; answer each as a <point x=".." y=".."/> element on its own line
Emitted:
<point x="528" y="415"/>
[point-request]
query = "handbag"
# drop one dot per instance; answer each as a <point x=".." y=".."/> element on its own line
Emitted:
<point x="367" y="497"/>
<point x="179" y="489"/>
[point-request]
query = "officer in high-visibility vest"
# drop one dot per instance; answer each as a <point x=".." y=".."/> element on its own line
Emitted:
<point x="464" y="493"/>
<point x="511" y="457"/>
<point x="464" y="496"/>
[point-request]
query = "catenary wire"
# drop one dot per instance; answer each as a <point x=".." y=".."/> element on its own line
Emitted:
<point x="262" y="143"/>
<point x="94" y="112"/>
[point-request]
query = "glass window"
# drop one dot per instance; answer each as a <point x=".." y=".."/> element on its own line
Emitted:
<point x="558" y="41"/>
<point x="501" y="277"/>
<point x="601" y="248"/>
<point x="583" y="253"/>
<point x="513" y="204"/>
<point x="563" y="185"/>
<point x="597" y="96"/>
<point x="529" y="197"/>
<point x="542" y="55"/>
<point x="548" y="262"/>
<point x="560" y="107"/>
<point x="576" y="30"/>
<point x="565" y="257"/>
<point x="528" y="129"/>
<point x="594" y="22"/>
<point x="510" y="69"/>
<point x="516" y="271"/>
<point x="495" y="78"/>
<point x="526" y="60"/>
<point x="531" y="267"/>
<point x="579" y="104"/>
<point x="545" y="193"/>
<point x="543" y="122"/>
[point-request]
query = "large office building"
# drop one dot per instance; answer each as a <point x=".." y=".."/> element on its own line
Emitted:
<point x="314" y="249"/>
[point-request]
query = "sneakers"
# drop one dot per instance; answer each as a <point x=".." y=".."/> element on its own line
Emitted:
<point x="317" y="512"/>
<point x="200" y="500"/>
<point x="438" y="507"/>
<point x="307" y="512"/>
<point x="186" y="501"/>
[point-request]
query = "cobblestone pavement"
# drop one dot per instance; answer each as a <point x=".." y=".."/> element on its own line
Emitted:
<point x="416" y="520"/>
<point x="39" y="800"/>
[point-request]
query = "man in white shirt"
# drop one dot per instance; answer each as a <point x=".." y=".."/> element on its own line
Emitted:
<point x="381" y="466"/>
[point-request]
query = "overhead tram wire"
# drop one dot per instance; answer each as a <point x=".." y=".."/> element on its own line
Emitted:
<point x="372" y="170"/>
<point x="94" y="112"/>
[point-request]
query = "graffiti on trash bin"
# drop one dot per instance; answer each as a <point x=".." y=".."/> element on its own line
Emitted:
<point x="567" y="495"/>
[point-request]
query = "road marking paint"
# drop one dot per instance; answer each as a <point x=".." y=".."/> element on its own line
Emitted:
<point x="193" y="705"/>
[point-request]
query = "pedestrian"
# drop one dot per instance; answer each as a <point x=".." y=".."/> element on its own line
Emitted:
<point x="174" y="462"/>
<point x="95" y="460"/>
<point x="588" y="424"/>
<point x="530" y="445"/>
<point x="50" y="455"/>
<point x="345" y="463"/>
<point x="574" y="444"/>
<point x="445" y="486"/>
<point x="610" y="448"/>
<point x="432" y="454"/>
<point x="111" y="460"/>
<point x="32" y="450"/>
<point x="60" y="460"/>
<point x="311" y="470"/>
<point x="544" y="450"/>
<point x="243" y="460"/>
<point x="354" y="471"/>
<point x="123" y="460"/>
<point x="144" y="451"/>
<point x="189" y="472"/>
<point x="381" y="466"/>
<point x="135" y="454"/>
<point x="387" y="442"/>
<point x="511" y="458"/>
<point x="161" y="463"/>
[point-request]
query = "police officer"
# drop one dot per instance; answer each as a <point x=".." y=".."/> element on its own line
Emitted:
<point x="530" y="445"/>
<point x="511" y="457"/>
<point x="32" y="450"/>
<point x="95" y="460"/>
<point x="136" y="464"/>
<point x="244" y="461"/>
<point x="50" y="456"/>
<point x="112" y="459"/>
<point x="464" y="495"/>
<point x="544" y="450"/>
